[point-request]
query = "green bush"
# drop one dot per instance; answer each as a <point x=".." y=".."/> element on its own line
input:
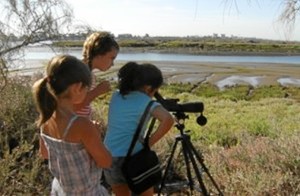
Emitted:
<point x="17" y="113"/>
<point x="21" y="167"/>
<point x="250" y="142"/>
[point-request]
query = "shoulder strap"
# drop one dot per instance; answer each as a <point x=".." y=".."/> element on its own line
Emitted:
<point x="138" y="130"/>
<point x="73" y="118"/>
<point x="146" y="140"/>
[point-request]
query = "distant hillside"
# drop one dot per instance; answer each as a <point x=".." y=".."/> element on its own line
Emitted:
<point x="201" y="45"/>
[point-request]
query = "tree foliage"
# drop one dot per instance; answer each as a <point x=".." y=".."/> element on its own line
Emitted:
<point x="25" y="22"/>
<point x="290" y="11"/>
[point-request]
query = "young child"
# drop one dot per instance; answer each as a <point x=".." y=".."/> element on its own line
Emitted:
<point x="137" y="85"/>
<point x="99" y="52"/>
<point x="71" y="143"/>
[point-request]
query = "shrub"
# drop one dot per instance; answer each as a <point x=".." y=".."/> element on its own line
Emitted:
<point x="17" y="114"/>
<point x="22" y="171"/>
<point x="250" y="144"/>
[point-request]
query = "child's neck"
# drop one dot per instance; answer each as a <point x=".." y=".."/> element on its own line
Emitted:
<point x="65" y="109"/>
<point x="65" y="112"/>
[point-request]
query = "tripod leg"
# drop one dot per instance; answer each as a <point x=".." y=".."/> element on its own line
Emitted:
<point x="195" y="166"/>
<point x="162" y="184"/>
<point x="187" y="164"/>
<point x="201" y="161"/>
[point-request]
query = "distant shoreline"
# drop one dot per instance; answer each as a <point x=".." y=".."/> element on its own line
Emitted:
<point x="200" y="45"/>
<point x="216" y="73"/>
<point x="204" y="53"/>
<point x="193" y="51"/>
<point x="181" y="50"/>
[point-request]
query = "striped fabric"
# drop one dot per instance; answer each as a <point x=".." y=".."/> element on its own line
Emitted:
<point x="72" y="167"/>
<point x="86" y="111"/>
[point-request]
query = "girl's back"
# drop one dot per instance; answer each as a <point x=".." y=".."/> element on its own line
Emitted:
<point x="71" y="164"/>
<point x="72" y="144"/>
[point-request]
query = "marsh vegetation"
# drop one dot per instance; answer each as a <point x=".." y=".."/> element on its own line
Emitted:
<point x="202" y="45"/>
<point x="250" y="142"/>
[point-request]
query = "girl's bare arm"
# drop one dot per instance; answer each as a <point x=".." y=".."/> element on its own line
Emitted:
<point x="93" y="143"/>
<point x="43" y="150"/>
<point x="100" y="89"/>
<point x="166" y="122"/>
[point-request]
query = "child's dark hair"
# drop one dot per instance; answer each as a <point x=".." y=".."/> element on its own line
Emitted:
<point x="62" y="71"/>
<point x="98" y="43"/>
<point x="133" y="76"/>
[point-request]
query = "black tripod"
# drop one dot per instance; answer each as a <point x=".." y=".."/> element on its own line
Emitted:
<point x="191" y="158"/>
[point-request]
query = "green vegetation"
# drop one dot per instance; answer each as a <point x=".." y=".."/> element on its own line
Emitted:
<point x="22" y="171"/>
<point x="202" y="45"/>
<point x="250" y="142"/>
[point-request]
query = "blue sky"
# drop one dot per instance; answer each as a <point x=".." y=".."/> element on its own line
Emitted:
<point x="186" y="17"/>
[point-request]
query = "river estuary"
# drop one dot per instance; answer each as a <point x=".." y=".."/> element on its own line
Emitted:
<point x="220" y="70"/>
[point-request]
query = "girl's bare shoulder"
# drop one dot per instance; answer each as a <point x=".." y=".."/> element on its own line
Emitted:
<point x="83" y="123"/>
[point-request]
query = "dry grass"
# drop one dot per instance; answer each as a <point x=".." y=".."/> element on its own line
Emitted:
<point x="250" y="145"/>
<point x="258" y="166"/>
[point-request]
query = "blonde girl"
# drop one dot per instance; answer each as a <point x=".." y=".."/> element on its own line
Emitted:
<point x="100" y="49"/>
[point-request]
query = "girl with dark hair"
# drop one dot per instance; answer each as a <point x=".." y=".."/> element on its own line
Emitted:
<point x="137" y="85"/>
<point x="72" y="144"/>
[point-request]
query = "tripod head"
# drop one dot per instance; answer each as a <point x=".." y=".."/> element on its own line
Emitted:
<point x="180" y="109"/>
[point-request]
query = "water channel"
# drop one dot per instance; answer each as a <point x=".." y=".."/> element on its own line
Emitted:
<point x="220" y="70"/>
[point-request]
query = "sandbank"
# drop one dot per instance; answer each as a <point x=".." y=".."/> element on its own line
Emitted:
<point x="229" y="74"/>
<point x="219" y="74"/>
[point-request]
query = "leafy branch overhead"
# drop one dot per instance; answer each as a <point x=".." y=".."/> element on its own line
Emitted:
<point x="290" y="9"/>
<point x="25" y="22"/>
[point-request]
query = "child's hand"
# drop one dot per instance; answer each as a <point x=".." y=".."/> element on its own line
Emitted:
<point x="103" y="87"/>
<point x="100" y="126"/>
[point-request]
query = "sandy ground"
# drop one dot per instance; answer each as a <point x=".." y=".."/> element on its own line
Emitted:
<point x="219" y="74"/>
<point x="228" y="74"/>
